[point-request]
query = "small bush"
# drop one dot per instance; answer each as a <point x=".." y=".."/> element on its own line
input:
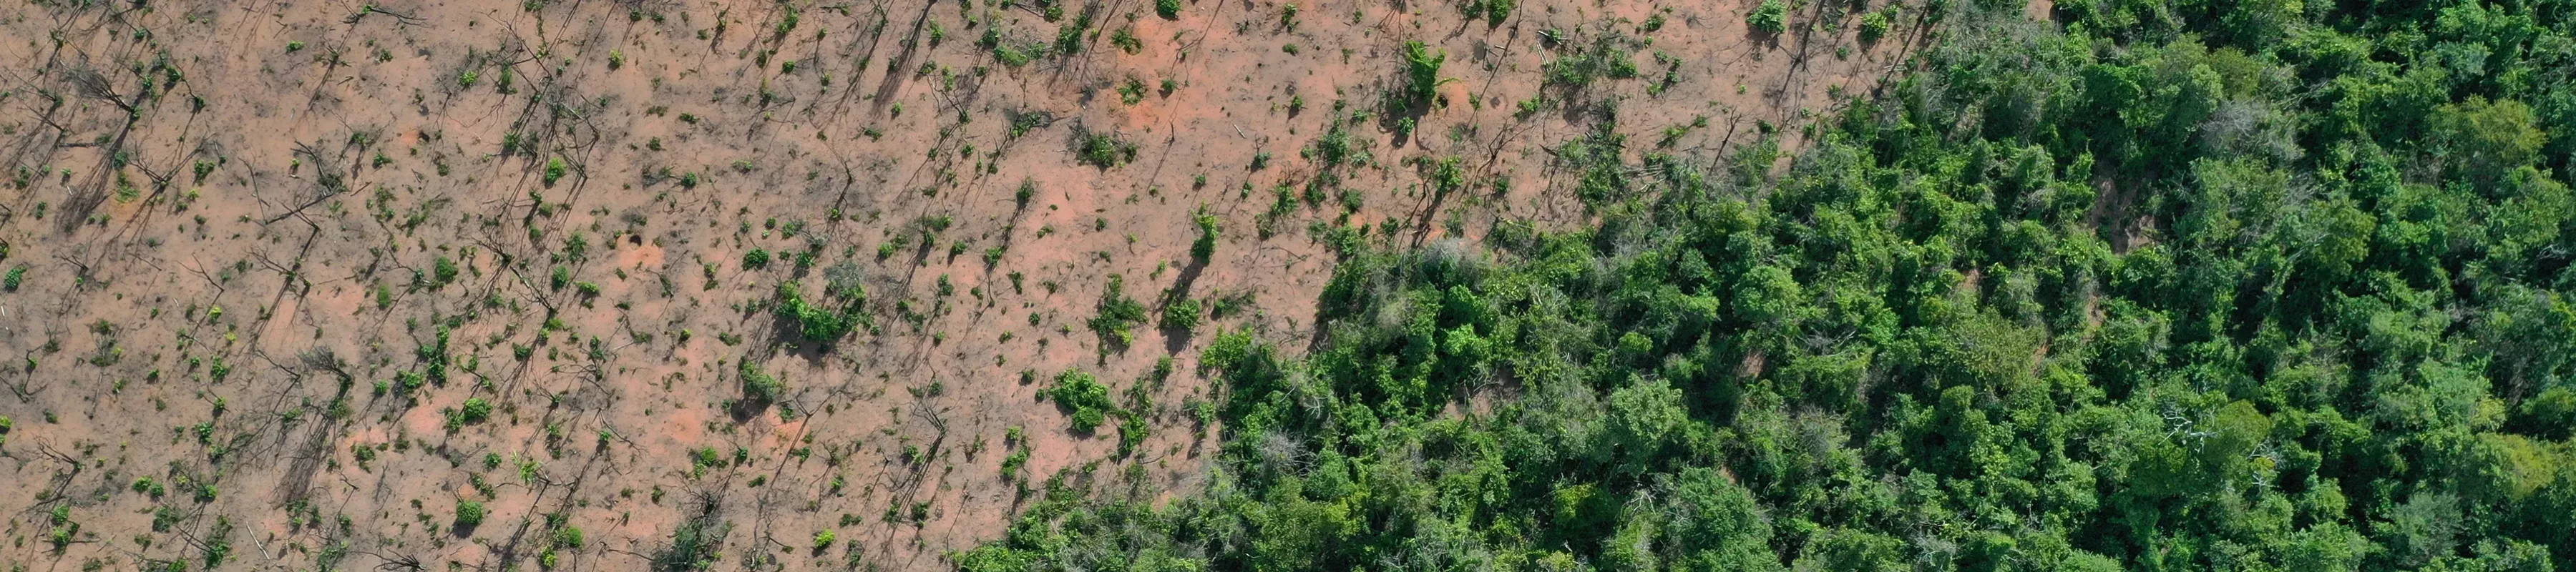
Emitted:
<point x="1771" y="17"/>
<point x="1874" y="26"/>
<point x="1126" y="40"/>
<point x="1080" y="394"/>
<point x="1496" y="11"/>
<point x="468" y="513"/>
<point x="1205" y="247"/>
<point x="555" y="169"/>
<point x="1009" y="53"/>
<point x="1230" y="305"/>
<point x="1132" y="91"/>
<point x="1181" y="315"/>
<point x="1119" y="314"/>
<point x="819" y="322"/>
<point x="1422" y="70"/>
<point x="759" y="389"/>
<point x="442" y="272"/>
<point x="475" y="410"/>
<point x="1168" y="9"/>
<point x="1101" y="149"/>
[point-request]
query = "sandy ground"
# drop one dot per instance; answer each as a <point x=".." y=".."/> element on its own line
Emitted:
<point x="230" y="217"/>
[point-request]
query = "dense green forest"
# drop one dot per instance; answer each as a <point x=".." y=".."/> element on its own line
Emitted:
<point x="2162" y="285"/>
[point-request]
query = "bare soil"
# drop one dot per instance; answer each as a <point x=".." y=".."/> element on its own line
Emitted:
<point x="229" y="218"/>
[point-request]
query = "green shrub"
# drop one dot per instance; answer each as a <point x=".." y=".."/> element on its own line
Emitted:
<point x="1081" y="395"/>
<point x="1131" y="91"/>
<point x="442" y="272"/>
<point x="1205" y="247"/>
<point x="1013" y="56"/>
<point x="1100" y="149"/>
<point x="1422" y="70"/>
<point x="1070" y="39"/>
<point x="1168" y="9"/>
<point x="1009" y="53"/>
<point x="555" y="169"/>
<point x="1011" y="464"/>
<point x="1497" y="10"/>
<point x="1126" y="40"/>
<point x="1771" y="17"/>
<point x="1182" y="315"/>
<point x="820" y="322"/>
<point x="468" y="513"/>
<point x="1118" y="316"/>
<point x="474" y="410"/>
<point x="759" y="389"/>
<point x="1230" y="305"/>
<point x="695" y="547"/>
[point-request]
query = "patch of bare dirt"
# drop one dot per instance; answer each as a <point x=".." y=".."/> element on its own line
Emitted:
<point x="266" y="258"/>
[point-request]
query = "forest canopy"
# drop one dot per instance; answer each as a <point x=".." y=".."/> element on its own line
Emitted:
<point x="2157" y="285"/>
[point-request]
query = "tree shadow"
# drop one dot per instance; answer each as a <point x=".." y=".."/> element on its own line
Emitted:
<point x="785" y="329"/>
<point x="1176" y="339"/>
<point x="1400" y="117"/>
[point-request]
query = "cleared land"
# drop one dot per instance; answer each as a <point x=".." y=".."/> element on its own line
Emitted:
<point x="498" y="285"/>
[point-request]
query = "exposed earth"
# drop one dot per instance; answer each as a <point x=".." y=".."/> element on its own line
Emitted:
<point x="477" y="285"/>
